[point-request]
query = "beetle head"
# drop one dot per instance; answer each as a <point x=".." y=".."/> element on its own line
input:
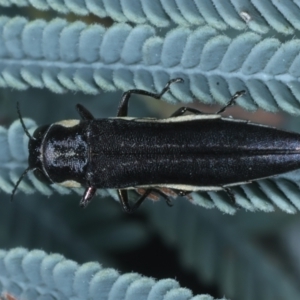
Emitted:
<point x="35" y="153"/>
<point x="35" y="148"/>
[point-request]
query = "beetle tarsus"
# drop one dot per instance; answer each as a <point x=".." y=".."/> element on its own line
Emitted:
<point x="89" y="193"/>
<point x="230" y="194"/>
<point x="123" y="106"/>
<point x="231" y="101"/>
<point x="182" y="110"/>
<point x="84" y="113"/>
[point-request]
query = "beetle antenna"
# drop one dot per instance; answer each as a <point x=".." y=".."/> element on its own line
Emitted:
<point x="23" y="124"/>
<point x="17" y="184"/>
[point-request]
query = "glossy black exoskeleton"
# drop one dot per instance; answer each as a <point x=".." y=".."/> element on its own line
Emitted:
<point x="184" y="153"/>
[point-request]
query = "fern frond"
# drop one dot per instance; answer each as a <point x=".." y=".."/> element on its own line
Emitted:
<point x="281" y="191"/>
<point x="77" y="57"/>
<point x="36" y="275"/>
<point x="213" y="245"/>
<point x="257" y="15"/>
<point x="124" y="57"/>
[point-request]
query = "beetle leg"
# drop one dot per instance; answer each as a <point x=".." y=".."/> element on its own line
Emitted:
<point x="230" y="194"/>
<point x="84" y="113"/>
<point x="227" y="190"/>
<point x="181" y="193"/>
<point x="89" y="193"/>
<point x="123" y="106"/>
<point x="231" y="101"/>
<point x="159" y="192"/>
<point x="123" y="196"/>
<point x="184" y="109"/>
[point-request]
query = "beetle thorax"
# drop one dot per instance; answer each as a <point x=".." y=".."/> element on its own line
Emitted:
<point x="65" y="153"/>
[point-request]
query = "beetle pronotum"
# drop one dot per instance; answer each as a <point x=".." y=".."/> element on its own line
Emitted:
<point x="183" y="153"/>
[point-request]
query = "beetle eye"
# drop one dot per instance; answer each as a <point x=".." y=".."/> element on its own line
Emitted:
<point x="41" y="176"/>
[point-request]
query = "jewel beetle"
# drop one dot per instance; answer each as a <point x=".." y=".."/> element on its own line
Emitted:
<point x="184" y="153"/>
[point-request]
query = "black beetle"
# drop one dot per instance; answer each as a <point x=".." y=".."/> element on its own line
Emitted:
<point x="183" y="153"/>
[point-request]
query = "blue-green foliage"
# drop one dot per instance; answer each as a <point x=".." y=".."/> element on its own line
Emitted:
<point x="64" y="56"/>
<point x="258" y="15"/>
<point x="36" y="275"/>
<point x="218" y="47"/>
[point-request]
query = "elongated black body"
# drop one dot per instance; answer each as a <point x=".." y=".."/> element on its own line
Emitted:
<point x="183" y="153"/>
<point x="191" y="153"/>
